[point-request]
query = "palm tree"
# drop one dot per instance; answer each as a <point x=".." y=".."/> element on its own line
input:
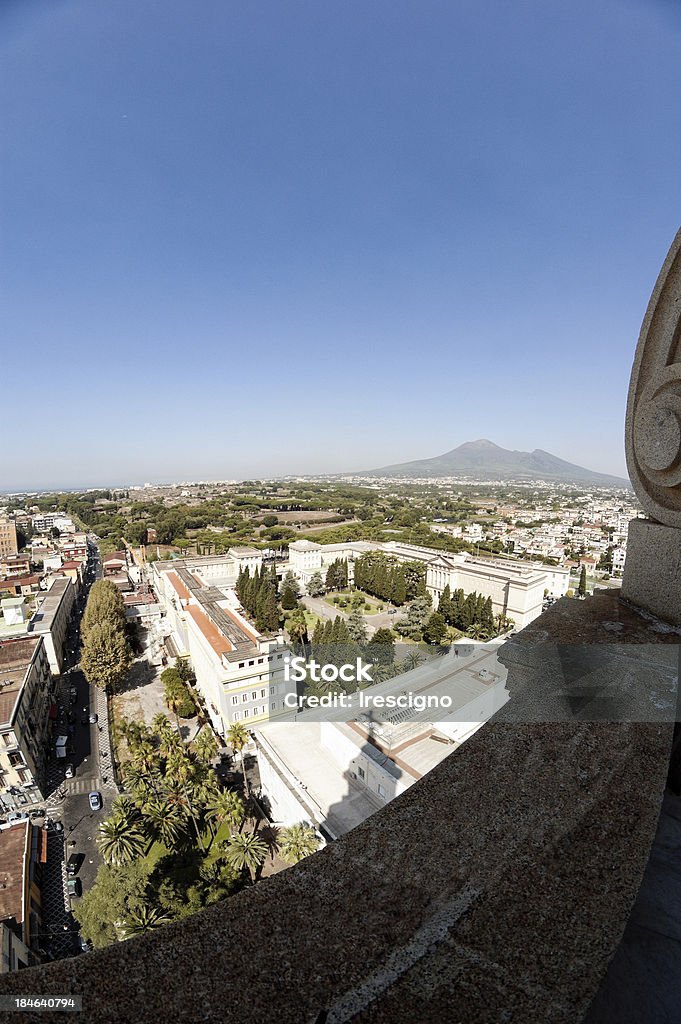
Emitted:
<point x="412" y="660"/>
<point x="142" y="918"/>
<point x="120" y="840"/>
<point x="179" y="796"/>
<point x="205" y="745"/>
<point x="167" y="820"/>
<point x="298" y="841"/>
<point x="238" y="737"/>
<point x="246" y="850"/>
<point x="226" y="806"/>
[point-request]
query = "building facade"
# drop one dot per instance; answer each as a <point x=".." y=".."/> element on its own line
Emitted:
<point x="239" y="672"/>
<point x="26" y="707"/>
<point x="8" y="538"/>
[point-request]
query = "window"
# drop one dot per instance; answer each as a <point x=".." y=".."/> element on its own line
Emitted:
<point x="360" y="772"/>
<point x="235" y="700"/>
<point x="254" y="694"/>
<point x="237" y="716"/>
<point x="246" y="713"/>
<point x="272" y="691"/>
<point x="263" y="693"/>
<point x="241" y="664"/>
<point x="274" y="705"/>
<point x="381" y="790"/>
<point x="244" y="696"/>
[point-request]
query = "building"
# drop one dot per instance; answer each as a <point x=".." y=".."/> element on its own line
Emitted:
<point x="516" y="588"/>
<point x="23" y="851"/>
<point x="8" y="538"/>
<point x="619" y="555"/>
<point x="46" y="521"/>
<point x="51" y="619"/>
<point x="26" y="715"/>
<point x="334" y="767"/>
<point x="239" y="672"/>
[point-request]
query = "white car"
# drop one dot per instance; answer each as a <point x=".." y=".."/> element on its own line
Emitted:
<point x="95" y="799"/>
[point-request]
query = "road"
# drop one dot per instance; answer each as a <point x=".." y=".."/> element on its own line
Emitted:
<point x="67" y="801"/>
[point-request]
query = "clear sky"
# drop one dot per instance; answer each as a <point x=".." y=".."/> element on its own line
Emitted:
<point x="292" y="236"/>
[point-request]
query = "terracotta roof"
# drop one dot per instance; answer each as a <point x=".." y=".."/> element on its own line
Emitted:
<point x="218" y="642"/>
<point x="179" y="586"/>
<point x="12" y="847"/>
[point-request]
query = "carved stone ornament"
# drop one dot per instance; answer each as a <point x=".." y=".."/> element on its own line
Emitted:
<point x="653" y="427"/>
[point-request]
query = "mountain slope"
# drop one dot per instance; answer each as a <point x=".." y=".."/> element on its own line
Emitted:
<point x="485" y="460"/>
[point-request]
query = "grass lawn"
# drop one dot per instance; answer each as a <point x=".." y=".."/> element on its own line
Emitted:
<point x="371" y="604"/>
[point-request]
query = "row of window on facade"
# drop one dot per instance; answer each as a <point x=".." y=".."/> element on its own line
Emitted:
<point x="253" y="695"/>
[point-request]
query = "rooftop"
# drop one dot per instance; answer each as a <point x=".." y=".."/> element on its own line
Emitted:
<point x="13" y="842"/>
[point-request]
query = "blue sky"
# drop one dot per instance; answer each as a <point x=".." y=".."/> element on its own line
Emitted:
<point x="244" y="240"/>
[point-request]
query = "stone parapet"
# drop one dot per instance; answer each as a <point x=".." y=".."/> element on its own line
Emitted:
<point x="495" y="889"/>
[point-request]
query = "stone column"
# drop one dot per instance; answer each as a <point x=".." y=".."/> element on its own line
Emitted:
<point x="652" y="572"/>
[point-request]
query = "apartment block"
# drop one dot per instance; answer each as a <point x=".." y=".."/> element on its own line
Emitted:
<point x="26" y="712"/>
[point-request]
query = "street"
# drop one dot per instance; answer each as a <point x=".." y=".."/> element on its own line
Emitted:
<point x="73" y="825"/>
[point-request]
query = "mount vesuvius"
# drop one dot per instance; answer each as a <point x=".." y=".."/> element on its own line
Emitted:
<point x="487" y="461"/>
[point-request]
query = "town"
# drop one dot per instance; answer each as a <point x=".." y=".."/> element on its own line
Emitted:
<point x="154" y="635"/>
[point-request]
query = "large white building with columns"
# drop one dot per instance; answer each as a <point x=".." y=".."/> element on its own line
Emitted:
<point x="517" y="588"/>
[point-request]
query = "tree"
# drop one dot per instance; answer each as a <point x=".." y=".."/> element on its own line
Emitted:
<point x="296" y="626"/>
<point x="356" y="626"/>
<point x="107" y="902"/>
<point x="205" y="745"/>
<point x="581" y="589"/>
<point x="315" y="585"/>
<point x="120" y="840"/>
<point x="246" y="850"/>
<point x="105" y="656"/>
<point x="143" y="918"/>
<point x="270" y="520"/>
<point x="381" y="649"/>
<point x="435" y="629"/>
<point x="226" y="806"/>
<point x="297" y="842"/>
<point x="177" y="696"/>
<point x="105" y="601"/>
<point x="288" y="598"/>
<point x="167" y="821"/>
<point x="238" y="737"/>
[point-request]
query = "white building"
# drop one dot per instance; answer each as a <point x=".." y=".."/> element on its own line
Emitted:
<point x="239" y="672"/>
<point x="517" y="588"/>
<point x="619" y="555"/>
<point x="332" y="768"/>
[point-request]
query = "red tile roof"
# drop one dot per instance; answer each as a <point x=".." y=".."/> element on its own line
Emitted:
<point x="179" y="586"/>
<point x="218" y="642"/>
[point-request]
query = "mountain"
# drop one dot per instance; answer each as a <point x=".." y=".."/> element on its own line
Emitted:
<point x="485" y="460"/>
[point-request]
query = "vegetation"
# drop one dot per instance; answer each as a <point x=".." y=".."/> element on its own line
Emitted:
<point x="169" y="846"/>
<point x="258" y="595"/>
<point x="105" y="657"/>
<point x="385" y="577"/>
<point x="177" y="694"/>
<point x="297" y="842"/>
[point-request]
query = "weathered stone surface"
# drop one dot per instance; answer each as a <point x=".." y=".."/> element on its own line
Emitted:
<point x="653" y="424"/>
<point x="496" y="889"/>
<point x="652" y="572"/>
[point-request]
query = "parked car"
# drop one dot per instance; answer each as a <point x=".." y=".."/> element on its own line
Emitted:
<point x="69" y="772"/>
<point x="73" y="863"/>
<point x="17" y="815"/>
<point x="74" y="887"/>
<point x="95" y="799"/>
<point x="93" y="718"/>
